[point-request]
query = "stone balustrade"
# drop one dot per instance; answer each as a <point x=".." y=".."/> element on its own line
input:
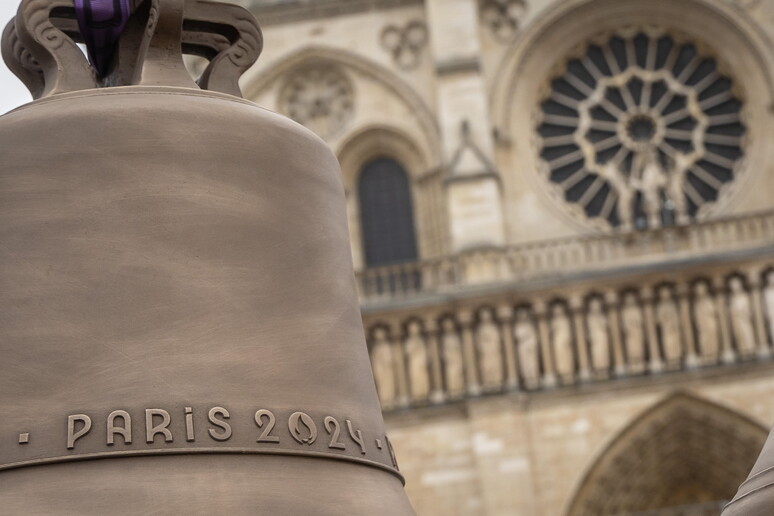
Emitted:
<point x="553" y="258"/>
<point x="581" y="331"/>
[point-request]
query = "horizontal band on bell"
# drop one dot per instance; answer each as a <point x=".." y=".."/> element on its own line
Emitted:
<point x="746" y="495"/>
<point x="756" y="476"/>
<point x="204" y="451"/>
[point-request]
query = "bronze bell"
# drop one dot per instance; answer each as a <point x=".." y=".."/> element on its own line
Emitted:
<point x="179" y="323"/>
<point x="755" y="496"/>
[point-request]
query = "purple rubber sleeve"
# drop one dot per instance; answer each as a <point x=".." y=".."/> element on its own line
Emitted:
<point x="101" y="23"/>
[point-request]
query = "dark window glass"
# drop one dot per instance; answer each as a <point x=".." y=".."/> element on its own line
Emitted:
<point x="386" y="213"/>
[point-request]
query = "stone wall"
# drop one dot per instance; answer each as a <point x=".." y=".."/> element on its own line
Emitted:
<point x="529" y="454"/>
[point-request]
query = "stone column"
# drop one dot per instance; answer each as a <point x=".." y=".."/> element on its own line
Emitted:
<point x="686" y="326"/>
<point x="505" y="318"/>
<point x="469" y="353"/>
<point x="656" y="364"/>
<point x="727" y="355"/>
<point x="613" y="315"/>
<point x="436" y="378"/>
<point x="399" y="362"/>
<point x="541" y="314"/>
<point x="581" y="342"/>
<point x="753" y="276"/>
<point x="473" y="188"/>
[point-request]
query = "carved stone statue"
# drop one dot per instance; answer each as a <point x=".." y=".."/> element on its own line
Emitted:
<point x="383" y="366"/>
<point x="706" y="319"/>
<point x="668" y="320"/>
<point x="599" y="336"/>
<point x="768" y="301"/>
<point x="490" y="351"/>
<point x="633" y="329"/>
<point x="561" y="340"/>
<point x="741" y="318"/>
<point x="528" y="349"/>
<point x="451" y="348"/>
<point x="416" y="350"/>
<point x="676" y="185"/>
<point x="626" y="198"/>
<point x="650" y="180"/>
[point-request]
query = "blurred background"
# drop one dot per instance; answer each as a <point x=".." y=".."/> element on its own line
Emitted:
<point x="562" y="224"/>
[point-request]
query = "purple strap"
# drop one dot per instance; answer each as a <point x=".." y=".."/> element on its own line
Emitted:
<point x="101" y="23"/>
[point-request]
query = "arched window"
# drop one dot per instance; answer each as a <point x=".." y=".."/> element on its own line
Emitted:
<point x="386" y="213"/>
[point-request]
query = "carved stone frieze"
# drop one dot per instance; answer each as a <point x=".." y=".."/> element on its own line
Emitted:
<point x="585" y="336"/>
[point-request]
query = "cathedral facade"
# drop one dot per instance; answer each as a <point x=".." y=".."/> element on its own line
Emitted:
<point x="562" y="223"/>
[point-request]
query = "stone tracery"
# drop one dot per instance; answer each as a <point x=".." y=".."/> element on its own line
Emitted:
<point x="641" y="129"/>
<point x="503" y="17"/>
<point x="406" y="43"/>
<point x="685" y="437"/>
<point x="320" y="97"/>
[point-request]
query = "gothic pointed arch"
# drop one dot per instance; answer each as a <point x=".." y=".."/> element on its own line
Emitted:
<point x="684" y="451"/>
<point x="323" y="55"/>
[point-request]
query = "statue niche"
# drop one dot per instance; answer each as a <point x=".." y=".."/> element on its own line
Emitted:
<point x="668" y="321"/>
<point x="383" y="367"/>
<point x="561" y="340"/>
<point x="768" y="301"/>
<point x="528" y="350"/>
<point x="416" y="351"/>
<point x="490" y="351"/>
<point x="599" y="338"/>
<point x="634" y="333"/>
<point x="705" y="317"/>
<point x="451" y="349"/>
<point x="740" y="311"/>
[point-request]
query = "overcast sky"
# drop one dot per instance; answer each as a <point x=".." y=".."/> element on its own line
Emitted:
<point x="12" y="91"/>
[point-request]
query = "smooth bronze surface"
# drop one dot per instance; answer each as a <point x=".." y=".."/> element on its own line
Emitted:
<point x="755" y="496"/>
<point x="179" y="324"/>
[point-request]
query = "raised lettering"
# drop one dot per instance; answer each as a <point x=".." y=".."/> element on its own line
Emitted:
<point x="265" y="436"/>
<point x="356" y="436"/>
<point x="330" y="421"/>
<point x="151" y="431"/>
<point x="392" y="453"/>
<point x="124" y="431"/>
<point x="225" y="433"/>
<point x="72" y="434"/>
<point x="189" y="429"/>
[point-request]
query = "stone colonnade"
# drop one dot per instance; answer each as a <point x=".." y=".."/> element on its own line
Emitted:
<point x="552" y="340"/>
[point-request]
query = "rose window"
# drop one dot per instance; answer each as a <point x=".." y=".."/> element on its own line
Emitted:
<point x="641" y="130"/>
<point x="319" y="97"/>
